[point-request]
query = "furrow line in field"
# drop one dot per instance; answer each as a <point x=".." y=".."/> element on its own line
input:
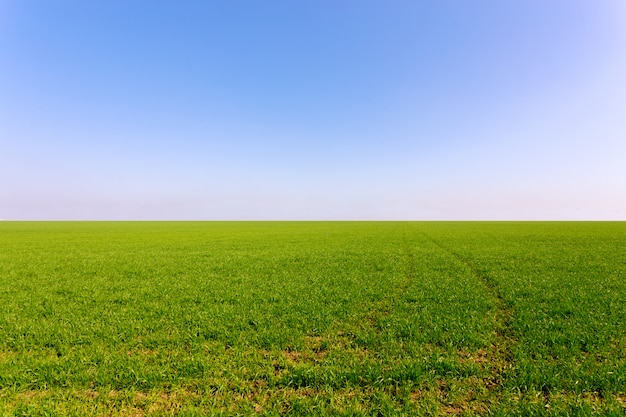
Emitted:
<point x="500" y="352"/>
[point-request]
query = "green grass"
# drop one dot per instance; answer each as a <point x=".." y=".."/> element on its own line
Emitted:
<point x="317" y="318"/>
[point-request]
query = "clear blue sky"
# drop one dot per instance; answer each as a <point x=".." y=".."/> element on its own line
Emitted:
<point x="446" y="109"/>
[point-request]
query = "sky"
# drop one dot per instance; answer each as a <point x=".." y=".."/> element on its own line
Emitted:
<point x="313" y="110"/>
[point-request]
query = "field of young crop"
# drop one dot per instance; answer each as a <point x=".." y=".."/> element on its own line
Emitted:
<point x="312" y="318"/>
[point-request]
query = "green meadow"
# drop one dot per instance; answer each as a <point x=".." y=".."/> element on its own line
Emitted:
<point x="312" y="318"/>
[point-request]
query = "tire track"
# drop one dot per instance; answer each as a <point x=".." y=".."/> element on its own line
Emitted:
<point x="499" y="355"/>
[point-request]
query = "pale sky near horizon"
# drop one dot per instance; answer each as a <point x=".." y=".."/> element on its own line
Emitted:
<point x="408" y="110"/>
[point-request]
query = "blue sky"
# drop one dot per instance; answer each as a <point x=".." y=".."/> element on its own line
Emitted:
<point x="210" y="110"/>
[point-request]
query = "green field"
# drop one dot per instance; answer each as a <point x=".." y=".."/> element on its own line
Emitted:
<point x="312" y="318"/>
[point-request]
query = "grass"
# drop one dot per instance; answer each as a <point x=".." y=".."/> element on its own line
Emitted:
<point x="318" y="318"/>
